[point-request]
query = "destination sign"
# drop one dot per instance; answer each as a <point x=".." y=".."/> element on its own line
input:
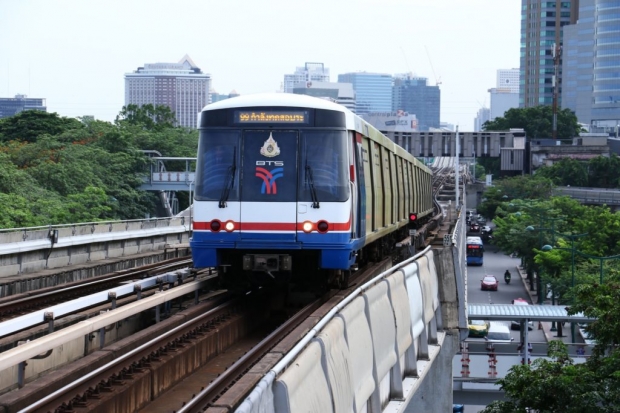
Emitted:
<point x="251" y="116"/>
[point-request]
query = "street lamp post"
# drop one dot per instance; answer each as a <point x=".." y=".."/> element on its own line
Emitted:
<point x="540" y="243"/>
<point x="583" y="254"/>
<point x="572" y="238"/>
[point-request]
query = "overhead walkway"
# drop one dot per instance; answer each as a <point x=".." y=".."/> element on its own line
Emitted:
<point x="591" y="196"/>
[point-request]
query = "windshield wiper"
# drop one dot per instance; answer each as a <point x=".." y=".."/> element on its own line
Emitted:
<point x="315" y="199"/>
<point x="231" y="180"/>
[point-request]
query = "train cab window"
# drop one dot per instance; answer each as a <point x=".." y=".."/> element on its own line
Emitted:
<point x="218" y="163"/>
<point x="324" y="166"/>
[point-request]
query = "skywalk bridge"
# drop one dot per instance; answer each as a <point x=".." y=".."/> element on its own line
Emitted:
<point x="591" y="196"/>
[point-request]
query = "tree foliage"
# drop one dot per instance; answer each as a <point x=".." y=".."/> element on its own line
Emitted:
<point x="558" y="384"/>
<point x="149" y="117"/>
<point x="537" y="121"/>
<point x="29" y="125"/>
<point x="57" y="170"/>
<point x="599" y="172"/>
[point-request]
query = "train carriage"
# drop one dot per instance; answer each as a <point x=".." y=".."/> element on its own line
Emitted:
<point x="290" y="182"/>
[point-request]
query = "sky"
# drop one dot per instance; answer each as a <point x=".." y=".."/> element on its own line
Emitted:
<point x="75" y="53"/>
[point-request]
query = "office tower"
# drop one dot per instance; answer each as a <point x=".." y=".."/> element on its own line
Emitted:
<point x="591" y="67"/>
<point x="413" y="95"/>
<point x="506" y="93"/>
<point x="181" y="86"/>
<point x="606" y="87"/>
<point x="309" y="73"/>
<point x="482" y="116"/>
<point x="373" y="91"/>
<point x="341" y="93"/>
<point x="541" y="28"/>
<point x="508" y="79"/>
<point x="12" y="106"/>
<point x="578" y="63"/>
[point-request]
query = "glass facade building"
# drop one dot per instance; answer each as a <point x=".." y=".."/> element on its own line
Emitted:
<point x="591" y="65"/>
<point x="542" y="24"/>
<point x="373" y="91"/>
<point x="12" y="106"/>
<point x="606" y="85"/>
<point x="413" y="95"/>
<point x="578" y="63"/>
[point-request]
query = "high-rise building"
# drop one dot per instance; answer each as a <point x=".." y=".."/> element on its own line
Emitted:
<point x="591" y="80"/>
<point x="578" y="63"/>
<point x="606" y="87"/>
<point x="181" y="86"/>
<point x="482" y="116"/>
<point x="310" y="72"/>
<point x="12" y="106"/>
<point x="542" y="24"/>
<point x="413" y="95"/>
<point x="373" y="91"/>
<point x="506" y="93"/>
<point x="508" y="79"/>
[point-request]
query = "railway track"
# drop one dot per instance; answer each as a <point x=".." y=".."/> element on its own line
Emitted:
<point x="28" y="302"/>
<point x="153" y="371"/>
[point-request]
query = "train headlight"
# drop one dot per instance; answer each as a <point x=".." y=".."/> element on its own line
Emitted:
<point x="230" y="226"/>
<point x="216" y="225"/>
<point x="307" y="226"/>
<point x="322" y="226"/>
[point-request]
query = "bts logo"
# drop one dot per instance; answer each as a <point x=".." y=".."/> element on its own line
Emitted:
<point x="269" y="179"/>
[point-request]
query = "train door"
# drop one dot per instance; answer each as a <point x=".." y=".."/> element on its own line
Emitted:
<point x="269" y="185"/>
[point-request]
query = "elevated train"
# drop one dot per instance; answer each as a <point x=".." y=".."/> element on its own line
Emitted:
<point x="294" y="184"/>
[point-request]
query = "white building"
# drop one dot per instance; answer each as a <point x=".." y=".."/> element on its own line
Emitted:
<point x="309" y="73"/>
<point x="506" y="95"/>
<point x="508" y="79"/>
<point x="341" y="93"/>
<point x="181" y="86"/>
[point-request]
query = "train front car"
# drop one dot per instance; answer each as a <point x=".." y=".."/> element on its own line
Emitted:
<point x="272" y="191"/>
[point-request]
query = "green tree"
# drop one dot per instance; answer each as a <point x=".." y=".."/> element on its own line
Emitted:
<point x="27" y="126"/>
<point x="149" y="117"/>
<point x="518" y="187"/>
<point x="566" y="172"/>
<point x="549" y="386"/>
<point x="604" y="172"/>
<point x="537" y="122"/>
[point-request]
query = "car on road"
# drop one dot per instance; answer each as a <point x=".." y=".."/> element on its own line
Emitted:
<point x="474" y="228"/>
<point x="478" y="328"/>
<point x="486" y="229"/>
<point x="489" y="283"/>
<point x="498" y="333"/>
<point x="516" y="325"/>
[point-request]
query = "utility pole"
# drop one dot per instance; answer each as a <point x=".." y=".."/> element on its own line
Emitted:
<point x="556" y="52"/>
<point x="456" y="170"/>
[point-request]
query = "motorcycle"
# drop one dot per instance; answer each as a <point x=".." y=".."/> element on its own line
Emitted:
<point x="507" y="277"/>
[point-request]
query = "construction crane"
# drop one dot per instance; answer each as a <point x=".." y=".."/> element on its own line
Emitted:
<point x="437" y="79"/>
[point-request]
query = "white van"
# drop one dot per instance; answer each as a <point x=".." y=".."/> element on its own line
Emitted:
<point x="498" y="333"/>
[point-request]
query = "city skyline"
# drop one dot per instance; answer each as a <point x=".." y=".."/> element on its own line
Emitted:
<point x="75" y="54"/>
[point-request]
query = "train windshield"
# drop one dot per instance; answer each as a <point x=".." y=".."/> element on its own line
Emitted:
<point x="272" y="166"/>
<point x="323" y="170"/>
<point x="218" y="163"/>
